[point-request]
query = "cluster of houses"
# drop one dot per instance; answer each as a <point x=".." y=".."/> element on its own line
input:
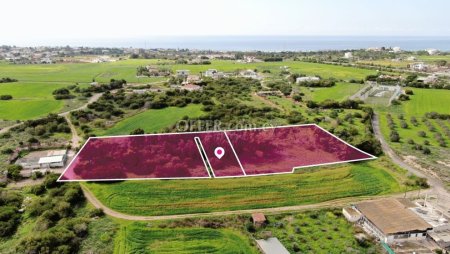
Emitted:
<point x="190" y="81"/>
<point x="49" y="55"/>
<point x="395" y="221"/>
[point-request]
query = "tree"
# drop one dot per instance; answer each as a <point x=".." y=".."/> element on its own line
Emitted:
<point x="394" y="136"/>
<point x="5" y="97"/>
<point x="137" y="131"/>
<point x="13" y="172"/>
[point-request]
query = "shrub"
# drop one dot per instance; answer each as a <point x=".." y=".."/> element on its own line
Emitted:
<point x="13" y="172"/>
<point x="250" y="227"/>
<point x="137" y="131"/>
<point x="5" y="97"/>
<point x="422" y="134"/>
<point x="394" y="136"/>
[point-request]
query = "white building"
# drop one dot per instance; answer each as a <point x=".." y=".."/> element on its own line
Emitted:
<point x="52" y="161"/>
<point x="351" y="214"/>
<point x="213" y="73"/>
<point x="396" y="49"/>
<point x="249" y="74"/>
<point x="432" y="51"/>
<point x="419" y="66"/>
<point x="306" y="79"/>
<point x="348" y="55"/>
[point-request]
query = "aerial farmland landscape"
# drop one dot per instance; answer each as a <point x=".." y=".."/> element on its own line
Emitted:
<point x="225" y="127"/>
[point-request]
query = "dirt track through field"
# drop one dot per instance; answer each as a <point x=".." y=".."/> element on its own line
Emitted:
<point x="337" y="203"/>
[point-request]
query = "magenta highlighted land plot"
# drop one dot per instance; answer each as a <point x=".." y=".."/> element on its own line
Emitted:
<point x="234" y="153"/>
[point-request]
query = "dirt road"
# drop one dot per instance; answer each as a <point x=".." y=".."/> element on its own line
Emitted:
<point x="436" y="185"/>
<point x="328" y="204"/>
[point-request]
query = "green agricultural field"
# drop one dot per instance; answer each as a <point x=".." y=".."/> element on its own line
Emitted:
<point x="41" y="79"/>
<point x="339" y="92"/>
<point x="30" y="100"/>
<point x="422" y="102"/>
<point x="140" y="238"/>
<point x="306" y="186"/>
<point x="153" y="120"/>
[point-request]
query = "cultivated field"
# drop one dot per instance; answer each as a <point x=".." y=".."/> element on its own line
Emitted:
<point x="40" y="80"/>
<point x="339" y="92"/>
<point x="153" y="120"/>
<point x="139" y="238"/>
<point x="412" y="142"/>
<point x="306" y="186"/>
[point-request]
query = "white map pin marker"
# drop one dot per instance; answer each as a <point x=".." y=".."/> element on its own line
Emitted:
<point x="219" y="152"/>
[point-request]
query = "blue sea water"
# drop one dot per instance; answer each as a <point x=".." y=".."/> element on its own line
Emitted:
<point x="273" y="43"/>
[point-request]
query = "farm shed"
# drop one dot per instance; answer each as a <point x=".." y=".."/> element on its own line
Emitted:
<point x="391" y="220"/>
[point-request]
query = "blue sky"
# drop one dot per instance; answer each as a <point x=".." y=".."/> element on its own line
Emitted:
<point x="50" y="20"/>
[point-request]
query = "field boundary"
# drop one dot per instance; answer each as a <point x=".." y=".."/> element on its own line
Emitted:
<point x="207" y="163"/>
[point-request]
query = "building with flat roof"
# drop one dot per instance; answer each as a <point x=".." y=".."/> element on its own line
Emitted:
<point x="271" y="246"/>
<point x="392" y="219"/>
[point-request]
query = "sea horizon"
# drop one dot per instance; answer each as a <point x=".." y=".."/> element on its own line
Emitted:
<point x="268" y="43"/>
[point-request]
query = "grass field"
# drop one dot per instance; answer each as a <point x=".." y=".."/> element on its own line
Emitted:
<point x="30" y="100"/>
<point x="158" y="197"/>
<point x="32" y="94"/>
<point x="139" y="238"/>
<point x="422" y="102"/>
<point x="153" y="120"/>
<point x="339" y="92"/>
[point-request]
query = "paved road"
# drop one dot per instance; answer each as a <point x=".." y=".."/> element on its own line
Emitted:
<point x="436" y="185"/>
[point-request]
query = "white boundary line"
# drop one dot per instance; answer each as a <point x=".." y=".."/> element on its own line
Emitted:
<point x="125" y="179"/>
<point x="206" y="155"/>
<point x="200" y="151"/>
<point x="73" y="159"/>
<point x="196" y="132"/>
<point x="235" y="154"/>
<point x="370" y="155"/>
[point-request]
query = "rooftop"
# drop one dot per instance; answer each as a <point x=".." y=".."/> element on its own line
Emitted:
<point x="392" y="216"/>
<point x="51" y="159"/>
<point x="258" y="217"/>
<point x="272" y="246"/>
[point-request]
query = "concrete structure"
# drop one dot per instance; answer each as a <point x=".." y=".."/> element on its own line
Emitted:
<point x="258" y="219"/>
<point x="351" y="214"/>
<point x="348" y="55"/>
<point x="441" y="236"/>
<point x="271" y="246"/>
<point x="432" y="52"/>
<point x="249" y="74"/>
<point x="396" y="49"/>
<point x="306" y="79"/>
<point x="392" y="220"/>
<point x="213" y="73"/>
<point x="52" y="161"/>
<point x="428" y="80"/>
<point x="191" y="87"/>
<point x="419" y="66"/>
